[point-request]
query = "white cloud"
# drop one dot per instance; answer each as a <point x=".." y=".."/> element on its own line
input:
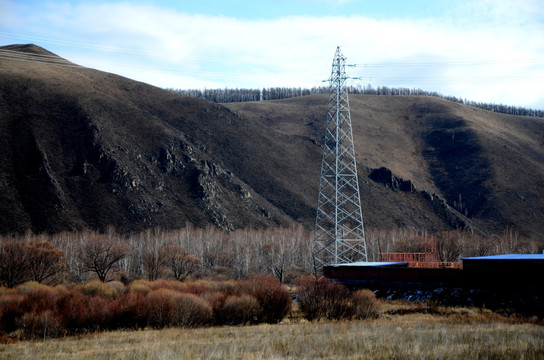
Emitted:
<point x="173" y="49"/>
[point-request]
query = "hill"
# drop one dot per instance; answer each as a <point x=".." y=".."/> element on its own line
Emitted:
<point x="487" y="166"/>
<point x="87" y="149"/>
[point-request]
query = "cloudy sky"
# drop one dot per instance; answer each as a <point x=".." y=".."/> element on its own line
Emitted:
<point x="482" y="50"/>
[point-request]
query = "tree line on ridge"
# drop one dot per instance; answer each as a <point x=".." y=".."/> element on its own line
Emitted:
<point x="277" y="93"/>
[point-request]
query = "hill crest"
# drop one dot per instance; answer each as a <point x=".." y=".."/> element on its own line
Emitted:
<point x="88" y="149"/>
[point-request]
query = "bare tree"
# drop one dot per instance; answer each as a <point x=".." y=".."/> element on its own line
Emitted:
<point x="14" y="262"/>
<point x="154" y="262"/>
<point x="274" y="259"/>
<point x="181" y="262"/>
<point x="448" y="247"/>
<point x="45" y="261"/>
<point x="154" y="254"/>
<point x="101" y="254"/>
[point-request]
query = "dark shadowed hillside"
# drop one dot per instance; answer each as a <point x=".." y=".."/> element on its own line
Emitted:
<point x="82" y="148"/>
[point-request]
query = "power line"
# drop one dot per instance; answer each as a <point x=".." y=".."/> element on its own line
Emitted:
<point x="453" y="63"/>
<point x="55" y="60"/>
<point x="260" y="61"/>
<point x="127" y="50"/>
<point x="427" y="80"/>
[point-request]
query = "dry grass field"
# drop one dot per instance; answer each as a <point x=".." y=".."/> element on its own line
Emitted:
<point x="459" y="333"/>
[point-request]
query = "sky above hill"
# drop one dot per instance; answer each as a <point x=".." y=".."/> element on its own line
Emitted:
<point x="482" y="50"/>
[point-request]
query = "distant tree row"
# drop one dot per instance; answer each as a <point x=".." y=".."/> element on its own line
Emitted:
<point x="284" y="253"/>
<point x="276" y="93"/>
<point x="154" y="254"/>
<point x="239" y="95"/>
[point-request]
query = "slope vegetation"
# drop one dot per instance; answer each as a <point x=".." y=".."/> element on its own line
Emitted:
<point x="471" y="167"/>
<point x="86" y="149"/>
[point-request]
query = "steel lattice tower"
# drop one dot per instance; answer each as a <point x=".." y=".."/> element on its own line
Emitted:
<point x="339" y="231"/>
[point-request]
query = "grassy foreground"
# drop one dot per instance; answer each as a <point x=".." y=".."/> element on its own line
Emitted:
<point x="466" y="335"/>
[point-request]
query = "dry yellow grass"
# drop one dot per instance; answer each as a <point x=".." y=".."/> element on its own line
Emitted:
<point x="464" y="334"/>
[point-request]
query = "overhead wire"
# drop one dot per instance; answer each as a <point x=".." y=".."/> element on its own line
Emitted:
<point x="263" y="61"/>
<point x="452" y="63"/>
<point x="420" y="80"/>
<point x="7" y="54"/>
<point x="52" y="59"/>
<point x="127" y="50"/>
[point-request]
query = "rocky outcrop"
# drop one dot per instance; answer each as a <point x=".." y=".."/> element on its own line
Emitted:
<point x="453" y="217"/>
<point x="440" y="207"/>
<point x="386" y="177"/>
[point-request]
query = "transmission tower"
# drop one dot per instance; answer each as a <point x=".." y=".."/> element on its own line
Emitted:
<point x="339" y="231"/>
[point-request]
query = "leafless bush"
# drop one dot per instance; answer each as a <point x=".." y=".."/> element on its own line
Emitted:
<point x="320" y="298"/>
<point x="239" y="310"/>
<point x="160" y="307"/>
<point x="98" y="288"/>
<point x="365" y="304"/>
<point x="189" y="310"/>
<point x="40" y="325"/>
<point x="274" y="299"/>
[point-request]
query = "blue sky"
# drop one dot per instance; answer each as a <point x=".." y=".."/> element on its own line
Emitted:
<point x="482" y="50"/>
<point x="277" y="8"/>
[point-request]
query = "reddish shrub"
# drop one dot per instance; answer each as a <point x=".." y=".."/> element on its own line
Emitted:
<point x="364" y="304"/>
<point x="10" y="311"/>
<point x="99" y="312"/>
<point x="160" y="307"/>
<point x="130" y="311"/>
<point x="320" y="298"/>
<point x="273" y="298"/>
<point x="77" y="312"/>
<point x="215" y="299"/>
<point x="40" y="299"/>
<point x="309" y="299"/>
<point x="189" y="310"/>
<point x="197" y="288"/>
<point x="337" y="299"/>
<point x="229" y="287"/>
<point x="72" y="311"/>
<point x="32" y="308"/>
<point x="239" y="310"/>
<point x="40" y="325"/>
<point x="161" y="284"/>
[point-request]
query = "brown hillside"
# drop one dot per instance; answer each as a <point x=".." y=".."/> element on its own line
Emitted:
<point x="488" y="166"/>
<point x="87" y="149"/>
<point x="83" y="148"/>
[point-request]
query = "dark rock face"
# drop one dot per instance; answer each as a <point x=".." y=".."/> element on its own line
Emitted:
<point x="440" y="207"/>
<point x="385" y="176"/>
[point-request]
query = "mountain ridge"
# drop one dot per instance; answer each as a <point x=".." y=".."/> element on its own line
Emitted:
<point x="88" y="149"/>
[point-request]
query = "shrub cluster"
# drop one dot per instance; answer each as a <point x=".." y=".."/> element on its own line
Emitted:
<point x="33" y="310"/>
<point x="320" y="298"/>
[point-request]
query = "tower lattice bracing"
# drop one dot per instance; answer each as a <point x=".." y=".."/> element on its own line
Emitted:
<point x="339" y="231"/>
